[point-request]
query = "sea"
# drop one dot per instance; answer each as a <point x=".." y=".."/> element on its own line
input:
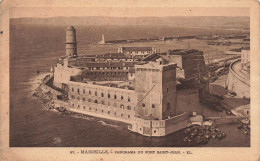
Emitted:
<point x="37" y="47"/>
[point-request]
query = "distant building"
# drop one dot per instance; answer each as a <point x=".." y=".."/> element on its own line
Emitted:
<point x="137" y="50"/>
<point x="239" y="75"/>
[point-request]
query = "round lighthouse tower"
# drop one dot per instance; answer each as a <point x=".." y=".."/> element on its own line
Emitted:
<point x="71" y="43"/>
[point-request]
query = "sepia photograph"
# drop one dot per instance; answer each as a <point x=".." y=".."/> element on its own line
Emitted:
<point x="131" y="81"/>
<point x="130" y="77"/>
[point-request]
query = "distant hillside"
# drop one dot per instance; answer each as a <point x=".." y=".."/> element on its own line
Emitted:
<point x="201" y="21"/>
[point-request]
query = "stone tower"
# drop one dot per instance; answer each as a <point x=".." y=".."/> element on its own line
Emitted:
<point x="71" y="43"/>
<point x="155" y="84"/>
<point x="103" y="39"/>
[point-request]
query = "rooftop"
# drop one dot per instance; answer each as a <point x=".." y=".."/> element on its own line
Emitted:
<point x="137" y="48"/>
<point x="182" y="51"/>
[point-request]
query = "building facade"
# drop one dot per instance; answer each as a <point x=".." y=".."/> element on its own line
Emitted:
<point x="137" y="50"/>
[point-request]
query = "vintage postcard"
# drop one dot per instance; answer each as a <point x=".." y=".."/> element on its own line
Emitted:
<point x="132" y="80"/>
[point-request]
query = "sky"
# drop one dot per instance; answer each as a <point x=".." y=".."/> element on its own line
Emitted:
<point x="42" y="12"/>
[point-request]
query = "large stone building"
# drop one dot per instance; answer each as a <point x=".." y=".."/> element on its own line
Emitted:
<point x="140" y="93"/>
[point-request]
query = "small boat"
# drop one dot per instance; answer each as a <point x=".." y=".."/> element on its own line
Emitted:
<point x="187" y="131"/>
<point x="246" y="132"/>
<point x="245" y="126"/>
<point x="219" y="135"/>
<point x="61" y="109"/>
<point x="223" y="134"/>
<point x="239" y="125"/>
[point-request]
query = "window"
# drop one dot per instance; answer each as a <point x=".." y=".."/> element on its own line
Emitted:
<point x="102" y="111"/>
<point x="114" y="96"/>
<point x="78" y="98"/>
<point x="153" y="106"/>
<point x="89" y="92"/>
<point x="128" y="116"/>
<point x="78" y="91"/>
<point x="95" y="93"/>
<point x="78" y="106"/>
<point x="122" y="115"/>
<point x="122" y="106"/>
<point x="143" y="104"/>
<point x="84" y="91"/>
<point x="102" y="94"/>
<point x="108" y="112"/>
<point x="84" y="99"/>
<point x="114" y="113"/>
<point x="154" y="131"/>
<point x="128" y="99"/>
<point x="88" y="100"/>
<point x="96" y="109"/>
<point x="168" y="105"/>
<point x="95" y="101"/>
<point x="72" y="89"/>
<point x="122" y="97"/>
<point x="89" y="108"/>
<point x="167" y="90"/>
<point x="129" y="107"/>
<point x="108" y="95"/>
<point x="84" y="107"/>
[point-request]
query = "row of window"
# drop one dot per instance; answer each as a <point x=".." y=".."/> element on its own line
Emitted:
<point x="102" y="94"/>
<point x="108" y="112"/>
<point x="106" y="73"/>
<point x="102" y="68"/>
<point x="103" y="102"/>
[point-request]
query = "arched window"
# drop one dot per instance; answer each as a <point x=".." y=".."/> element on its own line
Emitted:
<point x="84" y="107"/>
<point x="83" y="99"/>
<point x="78" y="106"/>
<point x="78" y="91"/>
<point x="129" y="107"/>
<point x="114" y="96"/>
<point x="95" y="93"/>
<point x="96" y="101"/>
<point x="108" y="95"/>
<point x="122" y="97"/>
<point x="122" y="106"/>
<point x="102" y="94"/>
<point x="128" y="99"/>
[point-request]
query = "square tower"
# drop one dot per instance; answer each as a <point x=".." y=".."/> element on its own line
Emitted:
<point x="155" y="84"/>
